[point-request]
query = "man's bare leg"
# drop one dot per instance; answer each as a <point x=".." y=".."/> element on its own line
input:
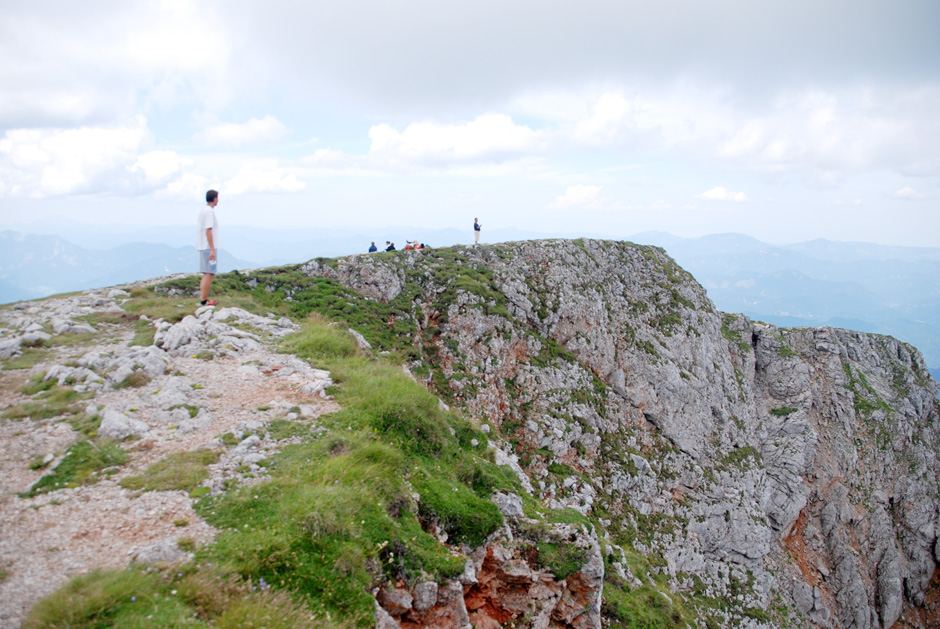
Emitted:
<point x="204" y="285"/>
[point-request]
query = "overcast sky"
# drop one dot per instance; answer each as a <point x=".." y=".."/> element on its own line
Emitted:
<point x="787" y="121"/>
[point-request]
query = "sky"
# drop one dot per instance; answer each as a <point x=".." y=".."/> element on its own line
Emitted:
<point x="787" y="121"/>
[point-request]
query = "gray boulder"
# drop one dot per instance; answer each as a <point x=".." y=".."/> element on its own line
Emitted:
<point x="117" y="425"/>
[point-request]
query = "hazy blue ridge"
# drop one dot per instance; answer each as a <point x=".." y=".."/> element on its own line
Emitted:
<point x="34" y="266"/>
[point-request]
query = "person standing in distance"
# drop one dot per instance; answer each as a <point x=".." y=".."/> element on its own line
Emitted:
<point x="206" y="240"/>
<point x="476" y="232"/>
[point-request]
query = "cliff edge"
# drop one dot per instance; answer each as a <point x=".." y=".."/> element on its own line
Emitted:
<point x="764" y="468"/>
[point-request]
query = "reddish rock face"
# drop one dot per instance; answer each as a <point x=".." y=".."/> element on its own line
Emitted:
<point x="448" y="613"/>
<point x="506" y="584"/>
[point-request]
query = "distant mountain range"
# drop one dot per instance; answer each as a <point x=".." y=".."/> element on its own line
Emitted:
<point x="34" y="266"/>
<point x="860" y="286"/>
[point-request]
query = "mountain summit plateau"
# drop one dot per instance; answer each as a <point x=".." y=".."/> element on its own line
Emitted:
<point x="554" y="433"/>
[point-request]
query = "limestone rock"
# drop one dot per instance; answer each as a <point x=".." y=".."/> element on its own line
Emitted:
<point x="383" y="619"/>
<point x="425" y="595"/>
<point x="165" y="552"/>
<point x="510" y="505"/>
<point x="619" y="383"/>
<point x="117" y="425"/>
<point x="9" y="347"/>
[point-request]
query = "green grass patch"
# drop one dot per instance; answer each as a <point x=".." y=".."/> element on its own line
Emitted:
<point x="179" y="470"/>
<point x="134" y="380"/>
<point x="783" y="411"/>
<point x="156" y="306"/>
<point x="28" y="358"/>
<point x="738" y="457"/>
<point x="136" y="598"/>
<point x="115" y="317"/>
<point x="562" y="559"/>
<point x="465" y="516"/>
<point x="143" y="333"/>
<point x="866" y="399"/>
<point x="52" y="402"/>
<point x="235" y="289"/>
<point x="318" y="340"/>
<point x="733" y="337"/>
<point x="335" y="516"/>
<point x="80" y="466"/>
<point x="36" y="385"/>
<point x="192" y="410"/>
<point x="568" y="516"/>
<point x="280" y="429"/>
<point x="561" y="469"/>
<point x="85" y="424"/>
<point x="645" y="607"/>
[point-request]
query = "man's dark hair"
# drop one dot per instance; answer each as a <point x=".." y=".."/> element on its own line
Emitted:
<point x="211" y="196"/>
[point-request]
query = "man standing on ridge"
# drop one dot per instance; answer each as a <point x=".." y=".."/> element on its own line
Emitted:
<point x="206" y="240"/>
<point x="476" y="232"/>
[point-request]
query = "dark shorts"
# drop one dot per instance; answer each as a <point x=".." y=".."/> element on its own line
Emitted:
<point x="206" y="265"/>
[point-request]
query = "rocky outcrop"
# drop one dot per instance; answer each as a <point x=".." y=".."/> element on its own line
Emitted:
<point x="787" y="475"/>
<point x="506" y="581"/>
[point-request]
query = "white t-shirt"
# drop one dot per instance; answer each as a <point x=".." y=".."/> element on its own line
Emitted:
<point x="207" y="221"/>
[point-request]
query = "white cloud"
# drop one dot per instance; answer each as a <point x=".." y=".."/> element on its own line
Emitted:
<point x="828" y="135"/>
<point x="255" y="131"/>
<point x="681" y="115"/>
<point x="606" y="121"/>
<point x="909" y="194"/>
<point x="48" y="162"/>
<point x="329" y="157"/>
<point x="175" y="38"/>
<point x="111" y="161"/>
<point x="578" y="196"/>
<point x="490" y="137"/>
<point x="334" y="163"/>
<point x="159" y="166"/>
<point x="64" y="64"/>
<point x="263" y="176"/>
<point x="188" y="187"/>
<point x="823" y="135"/>
<point x="720" y="193"/>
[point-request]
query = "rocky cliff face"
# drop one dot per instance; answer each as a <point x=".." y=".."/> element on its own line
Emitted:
<point x="771" y="477"/>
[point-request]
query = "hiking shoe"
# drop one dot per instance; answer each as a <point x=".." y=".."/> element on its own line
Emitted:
<point x="211" y="302"/>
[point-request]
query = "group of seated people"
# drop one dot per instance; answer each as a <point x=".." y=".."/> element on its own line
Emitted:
<point x="410" y="245"/>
